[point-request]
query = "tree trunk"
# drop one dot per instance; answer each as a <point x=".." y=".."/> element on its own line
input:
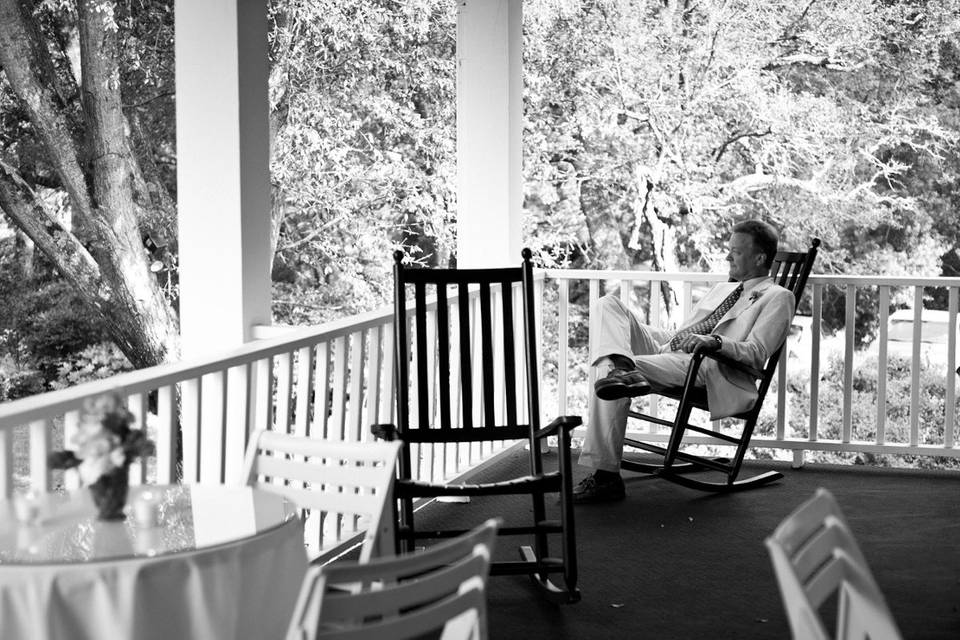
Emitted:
<point x="103" y="257"/>
<point x="664" y="237"/>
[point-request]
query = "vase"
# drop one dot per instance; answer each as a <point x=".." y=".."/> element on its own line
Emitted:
<point x="110" y="493"/>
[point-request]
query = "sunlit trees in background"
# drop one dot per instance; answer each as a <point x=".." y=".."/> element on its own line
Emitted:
<point x="649" y="126"/>
<point x="363" y="112"/>
<point x="652" y="125"/>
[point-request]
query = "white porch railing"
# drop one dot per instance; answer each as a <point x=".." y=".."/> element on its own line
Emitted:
<point x="333" y="381"/>
<point x="924" y="431"/>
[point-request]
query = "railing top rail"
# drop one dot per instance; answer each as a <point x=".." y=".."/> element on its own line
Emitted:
<point x="697" y="276"/>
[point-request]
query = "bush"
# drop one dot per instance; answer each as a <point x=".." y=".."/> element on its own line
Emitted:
<point x="92" y="363"/>
<point x="18" y="383"/>
<point x="864" y="402"/>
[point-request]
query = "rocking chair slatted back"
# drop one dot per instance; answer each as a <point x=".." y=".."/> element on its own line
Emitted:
<point x="452" y="311"/>
<point x="466" y="364"/>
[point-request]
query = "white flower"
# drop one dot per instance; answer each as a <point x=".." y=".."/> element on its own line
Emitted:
<point x="93" y="441"/>
<point x="117" y="457"/>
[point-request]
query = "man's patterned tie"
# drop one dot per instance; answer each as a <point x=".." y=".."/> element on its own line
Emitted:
<point x="706" y="325"/>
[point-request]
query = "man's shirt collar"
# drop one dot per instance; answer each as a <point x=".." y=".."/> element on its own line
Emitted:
<point x="753" y="283"/>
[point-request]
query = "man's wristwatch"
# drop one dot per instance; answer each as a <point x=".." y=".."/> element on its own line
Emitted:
<point x="718" y="340"/>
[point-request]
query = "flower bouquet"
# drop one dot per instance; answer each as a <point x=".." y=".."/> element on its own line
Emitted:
<point x="105" y="447"/>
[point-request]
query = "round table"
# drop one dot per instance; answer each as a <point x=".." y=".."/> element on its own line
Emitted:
<point x="220" y="562"/>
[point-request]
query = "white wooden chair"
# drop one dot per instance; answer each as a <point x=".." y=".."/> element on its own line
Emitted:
<point x="346" y="487"/>
<point x="407" y="596"/>
<point x="817" y="561"/>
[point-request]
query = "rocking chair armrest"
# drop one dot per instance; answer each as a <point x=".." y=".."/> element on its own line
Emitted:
<point x="566" y="423"/>
<point x="384" y="431"/>
<point x="727" y="361"/>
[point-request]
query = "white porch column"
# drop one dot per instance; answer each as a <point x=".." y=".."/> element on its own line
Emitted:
<point x="223" y="201"/>
<point x="489" y="128"/>
<point x="223" y="179"/>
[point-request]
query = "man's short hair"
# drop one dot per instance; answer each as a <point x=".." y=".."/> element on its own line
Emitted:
<point x="764" y="237"/>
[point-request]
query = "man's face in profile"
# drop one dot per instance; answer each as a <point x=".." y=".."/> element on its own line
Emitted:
<point x="745" y="261"/>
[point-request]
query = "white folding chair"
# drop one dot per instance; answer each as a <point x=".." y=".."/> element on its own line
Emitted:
<point x="817" y="561"/>
<point x="441" y="588"/>
<point x="347" y="487"/>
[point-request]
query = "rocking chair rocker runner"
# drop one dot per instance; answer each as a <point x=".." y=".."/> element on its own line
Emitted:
<point x="790" y="270"/>
<point x="468" y="374"/>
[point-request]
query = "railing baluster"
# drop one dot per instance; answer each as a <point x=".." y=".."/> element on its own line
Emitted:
<point x="882" y="364"/>
<point x="593" y="298"/>
<point x="6" y="462"/>
<point x="538" y="340"/>
<point x="563" y="333"/>
<point x="166" y="434"/>
<point x="71" y="424"/>
<point x="211" y="428"/>
<point x="388" y="399"/>
<point x="686" y="306"/>
<point x="321" y="394"/>
<point x="816" y="314"/>
<point x="190" y="403"/>
<point x="455" y="451"/>
<point x="237" y="433"/>
<point x="304" y="386"/>
<point x="915" y="367"/>
<point x="262" y="395"/>
<point x="374" y="380"/>
<point x="39" y="448"/>
<point x="655" y="319"/>
<point x="354" y="414"/>
<point x="496" y="337"/>
<point x="137" y="405"/>
<point x="284" y="393"/>
<point x="849" y="325"/>
<point x="782" y="400"/>
<point x="335" y="425"/>
<point x="950" y="403"/>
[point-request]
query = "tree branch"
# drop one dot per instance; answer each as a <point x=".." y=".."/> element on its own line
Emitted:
<point x="739" y="136"/>
<point x="21" y="59"/>
<point x="28" y="213"/>
<point x="810" y="60"/>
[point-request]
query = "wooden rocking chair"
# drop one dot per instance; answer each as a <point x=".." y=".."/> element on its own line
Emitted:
<point x="790" y="270"/>
<point x="448" y="394"/>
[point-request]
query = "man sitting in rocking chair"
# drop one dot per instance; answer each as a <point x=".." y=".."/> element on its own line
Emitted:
<point x="745" y="319"/>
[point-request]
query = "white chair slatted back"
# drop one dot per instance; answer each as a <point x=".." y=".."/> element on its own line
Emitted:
<point x="443" y="587"/>
<point x="815" y="558"/>
<point x="347" y="486"/>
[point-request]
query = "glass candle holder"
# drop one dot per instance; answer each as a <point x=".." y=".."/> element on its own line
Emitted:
<point x="26" y="507"/>
<point x="146" y="509"/>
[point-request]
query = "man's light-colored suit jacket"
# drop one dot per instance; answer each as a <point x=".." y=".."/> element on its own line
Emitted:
<point x="754" y="328"/>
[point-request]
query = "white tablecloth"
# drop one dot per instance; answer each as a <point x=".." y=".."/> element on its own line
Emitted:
<point x="244" y="588"/>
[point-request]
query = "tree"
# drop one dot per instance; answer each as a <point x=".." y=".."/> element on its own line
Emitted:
<point x="83" y="115"/>
<point x="656" y="123"/>
<point x="362" y="110"/>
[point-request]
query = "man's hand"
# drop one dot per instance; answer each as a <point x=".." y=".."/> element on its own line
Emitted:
<point x="690" y="343"/>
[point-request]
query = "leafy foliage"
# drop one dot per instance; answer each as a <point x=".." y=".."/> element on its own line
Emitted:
<point x="652" y="125"/>
<point x="49" y="338"/>
<point x="649" y="127"/>
<point x="363" y="155"/>
<point x="864" y="402"/>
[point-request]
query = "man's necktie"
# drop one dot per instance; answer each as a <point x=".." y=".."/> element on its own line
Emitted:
<point x="706" y="325"/>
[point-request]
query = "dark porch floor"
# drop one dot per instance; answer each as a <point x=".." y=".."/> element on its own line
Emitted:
<point x="669" y="562"/>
